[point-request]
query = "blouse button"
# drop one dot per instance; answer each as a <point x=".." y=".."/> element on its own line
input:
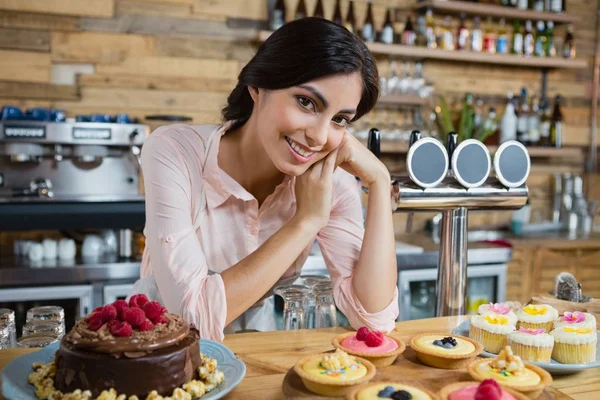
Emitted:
<point x="169" y="239"/>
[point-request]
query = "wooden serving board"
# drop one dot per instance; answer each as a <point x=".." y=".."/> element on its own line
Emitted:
<point x="408" y="369"/>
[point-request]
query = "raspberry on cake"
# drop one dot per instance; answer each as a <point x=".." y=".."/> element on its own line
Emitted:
<point x="374" y="346"/>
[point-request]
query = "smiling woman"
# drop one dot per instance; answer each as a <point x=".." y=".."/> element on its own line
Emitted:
<point x="233" y="210"/>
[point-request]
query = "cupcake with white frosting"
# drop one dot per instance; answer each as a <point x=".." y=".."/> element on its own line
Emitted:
<point x="537" y="316"/>
<point x="532" y="344"/>
<point x="498" y="309"/>
<point x="576" y="320"/>
<point x="491" y="331"/>
<point x="574" y="345"/>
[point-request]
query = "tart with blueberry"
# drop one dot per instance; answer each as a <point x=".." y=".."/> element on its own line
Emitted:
<point x="441" y="350"/>
<point x="333" y="374"/>
<point x="377" y="347"/>
<point x="390" y="390"/>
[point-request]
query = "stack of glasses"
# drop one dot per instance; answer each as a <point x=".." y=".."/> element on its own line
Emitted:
<point x="44" y="325"/>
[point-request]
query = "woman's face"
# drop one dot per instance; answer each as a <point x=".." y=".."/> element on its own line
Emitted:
<point x="300" y="125"/>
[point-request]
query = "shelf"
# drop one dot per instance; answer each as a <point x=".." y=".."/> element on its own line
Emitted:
<point x="402" y="100"/>
<point x="472" y="57"/>
<point x="422" y="53"/>
<point x="509" y="13"/>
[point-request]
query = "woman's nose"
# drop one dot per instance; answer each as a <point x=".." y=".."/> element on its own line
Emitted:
<point x="317" y="136"/>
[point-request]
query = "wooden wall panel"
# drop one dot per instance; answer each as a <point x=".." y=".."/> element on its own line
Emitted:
<point x="156" y="82"/>
<point x="24" y="39"/>
<point x="28" y="91"/>
<point x="24" y="66"/>
<point x="204" y="47"/>
<point x="94" y="8"/>
<point x="20" y="20"/>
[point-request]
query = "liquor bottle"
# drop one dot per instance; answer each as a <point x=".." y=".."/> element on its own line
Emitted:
<point x="476" y="36"/>
<point x="508" y="125"/>
<point x="277" y="15"/>
<point x="517" y="39"/>
<point x="556" y="6"/>
<point x="502" y="40"/>
<point x="430" y="29"/>
<point x="550" y="49"/>
<point x="337" y="13"/>
<point x="421" y="31"/>
<point x="522" y="119"/>
<point x="319" y="9"/>
<point x="528" y="41"/>
<point x="533" y="123"/>
<point x="387" y="32"/>
<point x="569" y="43"/>
<point x="300" y="10"/>
<point x="538" y="5"/>
<point x="462" y="36"/>
<point x="478" y="113"/>
<point x="368" y="29"/>
<point x="539" y="48"/>
<point x="522" y="4"/>
<point x="447" y="38"/>
<point x="556" y="124"/>
<point x="409" y="35"/>
<point x="544" y="124"/>
<point x="489" y="38"/>
<point x="350" y="23"/>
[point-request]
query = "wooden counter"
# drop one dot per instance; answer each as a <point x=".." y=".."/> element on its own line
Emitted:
<point x="270" y="355"/>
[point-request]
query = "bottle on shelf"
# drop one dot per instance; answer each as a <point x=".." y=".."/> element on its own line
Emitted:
<point x="300" y="10"/>
<point x="550" y="49"/>
<point x="508" y="125"/>
<point x="476" y="36"/>
<point x="319" y="9"/>
<point x="568" y="50"/>
<point x="544" y="124"/>
<point x="502" y="40"/>
<point x="539" y="48"/>
<point x="528" y="39"/>
<point x="522" y="4"/>
<point x="421" y="39"/>
<point x="489" y="38"/>
<point x="556" y="6"/>
<point x="409" y="35"/>
<point x="516" y="46"/>
<point x="447" y="37"/>
<point x="368" y="29"/>
<point x="538" y="5"/>
<point x="277" y="15"/>
<point x="523" y="118"/>
<point x="462" y="36"/>
<point x="490" y="124"/>
<point x="478" y="113"/>
<point x="533" y="123"/>
<point x="556" y="124"/>
<point x="337" y="13"/>
<point x="350" y="23"/>
<point x="387" y="31"/>
<point x="430" y="30"/>
<point x="505" y="3"/>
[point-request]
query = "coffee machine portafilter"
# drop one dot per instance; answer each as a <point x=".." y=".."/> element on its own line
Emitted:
<point x="453" y="179"/>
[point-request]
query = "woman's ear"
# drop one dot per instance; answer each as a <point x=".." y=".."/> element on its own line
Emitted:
<point x="253" y="93"/>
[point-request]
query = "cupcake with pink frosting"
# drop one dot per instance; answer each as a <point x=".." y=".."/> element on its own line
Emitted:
<point x="532" y="344"/>
<point x="498" y="309"/>
<point x="576" y="320"/>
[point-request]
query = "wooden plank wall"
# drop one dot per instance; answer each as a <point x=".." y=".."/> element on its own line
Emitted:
<point x="182" y="57"/>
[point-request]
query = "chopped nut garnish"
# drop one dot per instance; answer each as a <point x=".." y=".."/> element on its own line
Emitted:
<point x="507" y="361"/>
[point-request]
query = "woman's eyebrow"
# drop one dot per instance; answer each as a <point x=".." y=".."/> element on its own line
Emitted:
<point x="323" y="100"/>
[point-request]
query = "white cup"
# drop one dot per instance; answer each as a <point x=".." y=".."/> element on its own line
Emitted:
<point x="21" y="247"/>
<point x="35" y="252"/>
<point x="93" y="246"/>
<point x="66" y="249"/>
<point x="50" y="249"/>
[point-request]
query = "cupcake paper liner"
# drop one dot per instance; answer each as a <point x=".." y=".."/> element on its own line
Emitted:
<point x="492" y="342"/>
<point x="531" y="353"/>
<point x="574" y="353"/>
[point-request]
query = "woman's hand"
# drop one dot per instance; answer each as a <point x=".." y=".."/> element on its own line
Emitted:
<point x="360" y="161"/>
<point x="314" y="192"/>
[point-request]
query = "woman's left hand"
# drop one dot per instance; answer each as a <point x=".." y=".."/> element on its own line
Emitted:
<point x="359" y="161"/>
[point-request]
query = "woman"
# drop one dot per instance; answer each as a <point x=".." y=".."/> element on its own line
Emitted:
<point x="233" y="210"/>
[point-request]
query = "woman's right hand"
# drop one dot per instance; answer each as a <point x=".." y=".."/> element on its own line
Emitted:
<point x="314" y="192"/>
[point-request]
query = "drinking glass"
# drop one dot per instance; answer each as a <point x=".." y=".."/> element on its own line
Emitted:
<point x="7" y="319"/>
<point x="36" y="341"/>
<point x="45" y="319"/>
<point x="295" y="298"/>
<point x="47" y="328"/>
<point x="311" y="281"/>
<point x="4" y="337"/>
<point x="325" y="311"/>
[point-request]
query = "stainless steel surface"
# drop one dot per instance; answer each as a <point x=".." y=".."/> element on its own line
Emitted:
<point x="451" y="290"/>
<point x="125" y="242"/>
<point x="81" y="292"/>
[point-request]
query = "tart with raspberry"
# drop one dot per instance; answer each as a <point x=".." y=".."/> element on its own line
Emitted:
<point x="441" y="350"/>
<point x="377" y="347"/>
<point x="132" y="347"/>
<point x="333" y="374"/>
<point x="390" y="390"/>
<point x="489" y="389"/>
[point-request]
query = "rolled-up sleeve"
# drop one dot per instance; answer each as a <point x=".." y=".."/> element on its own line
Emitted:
<point x="176" y="257"/>
<point x="340" y="242"/>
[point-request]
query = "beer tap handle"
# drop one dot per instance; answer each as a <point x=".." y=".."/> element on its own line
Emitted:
<point x="451" y="146"/>
<point x="374" y="142"/>
<point x="414" y="136"/>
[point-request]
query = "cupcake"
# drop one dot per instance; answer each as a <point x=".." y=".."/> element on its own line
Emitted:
<point x="489" y="389"/>
<point x="537" y="316"/>
<point x="576" y="320"/>
<point x="531" y="344"/>
<point x="574" y="345"/>
<point x="498" y="309"/>
<point x="491" y="330"/>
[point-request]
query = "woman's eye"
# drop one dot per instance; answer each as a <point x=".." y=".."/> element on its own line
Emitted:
<point x="306" y="103"/>
<point x="341" y="121"/>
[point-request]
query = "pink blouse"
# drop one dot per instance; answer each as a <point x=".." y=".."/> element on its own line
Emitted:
<point x="200" y="222"/>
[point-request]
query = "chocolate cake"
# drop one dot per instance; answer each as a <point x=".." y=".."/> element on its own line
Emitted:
<point x="133" y="348"/>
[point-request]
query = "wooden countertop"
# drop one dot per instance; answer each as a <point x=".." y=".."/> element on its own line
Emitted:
<point x="270" y="355"/>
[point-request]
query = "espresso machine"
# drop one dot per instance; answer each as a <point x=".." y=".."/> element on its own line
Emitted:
<point x="454" y="179"/>
<point x="66" y="173"/>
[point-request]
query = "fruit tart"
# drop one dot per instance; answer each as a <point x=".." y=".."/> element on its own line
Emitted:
<point x="377" y="347"/>
<point x="441" y="350"/>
